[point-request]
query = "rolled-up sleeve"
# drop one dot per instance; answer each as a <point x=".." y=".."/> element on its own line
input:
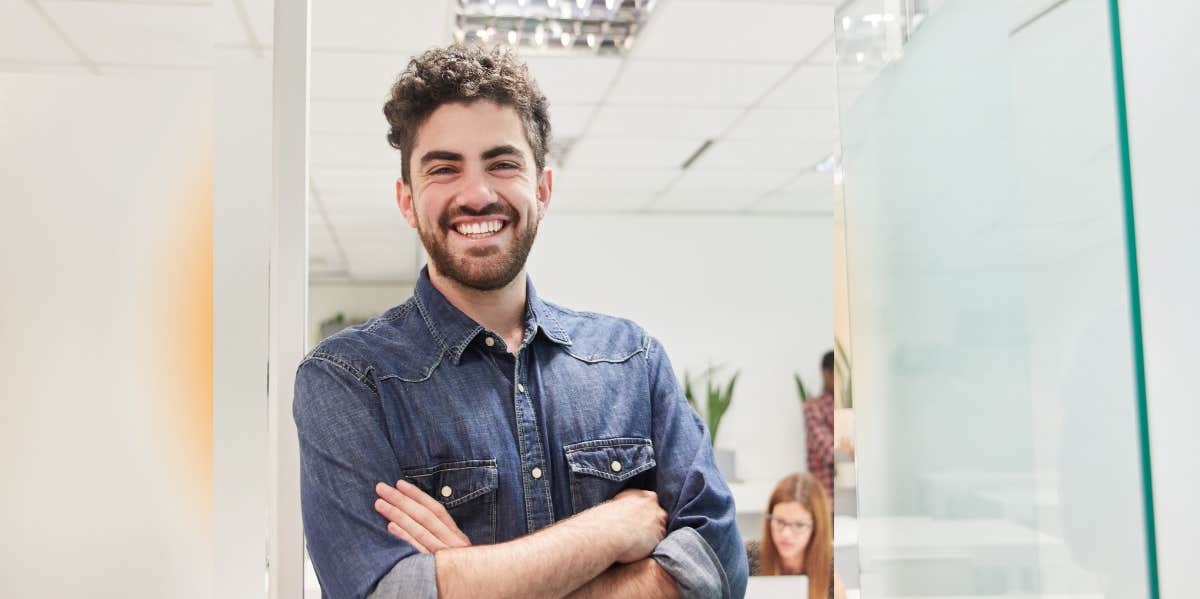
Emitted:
<point x="703" y="549"/>
<point x="344" y="452"/>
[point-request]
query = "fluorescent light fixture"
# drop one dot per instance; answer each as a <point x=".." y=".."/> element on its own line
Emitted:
<point x="570" y="26"/>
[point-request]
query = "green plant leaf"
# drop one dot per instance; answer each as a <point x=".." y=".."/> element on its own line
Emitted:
<point x="800" y="388"/>
<point x="719" y="401"/>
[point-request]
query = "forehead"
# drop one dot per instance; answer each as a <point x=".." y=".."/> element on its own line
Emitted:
<point x="792" y="510"/>
<point x="470" y="128"/>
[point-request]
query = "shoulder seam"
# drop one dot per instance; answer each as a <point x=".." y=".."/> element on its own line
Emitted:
<point x="359" y="375"/>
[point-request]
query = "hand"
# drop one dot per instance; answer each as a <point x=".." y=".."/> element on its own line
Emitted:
<point x="417" y="518"/>
<point x="637" y="520"/>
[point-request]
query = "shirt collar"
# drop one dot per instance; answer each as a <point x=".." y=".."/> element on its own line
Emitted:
<point x="453" y="330"/>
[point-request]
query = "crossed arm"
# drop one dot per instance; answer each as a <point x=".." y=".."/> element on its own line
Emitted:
<point x="601" y="552"/>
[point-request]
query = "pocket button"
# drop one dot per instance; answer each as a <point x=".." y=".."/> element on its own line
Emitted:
<point x="447" y="491"/>
<point x="616" y="466"/>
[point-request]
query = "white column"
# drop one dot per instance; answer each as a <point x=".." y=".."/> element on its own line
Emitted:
<point x="241" y="230"/>
<point x="288" y="294"/>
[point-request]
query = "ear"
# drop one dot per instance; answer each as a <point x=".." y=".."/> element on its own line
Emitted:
<point x="545" y="187"/>
<point x="404" y="200"/>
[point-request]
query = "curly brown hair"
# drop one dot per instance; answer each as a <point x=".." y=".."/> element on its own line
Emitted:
<point x="465" y="74"/>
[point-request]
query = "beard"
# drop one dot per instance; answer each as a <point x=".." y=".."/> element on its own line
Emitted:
<point x="483" y="269"/>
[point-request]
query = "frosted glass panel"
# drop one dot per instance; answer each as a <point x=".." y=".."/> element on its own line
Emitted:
<point x="994" y="379"/>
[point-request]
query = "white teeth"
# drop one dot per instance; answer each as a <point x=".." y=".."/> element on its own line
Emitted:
<point x="480" y="228"/>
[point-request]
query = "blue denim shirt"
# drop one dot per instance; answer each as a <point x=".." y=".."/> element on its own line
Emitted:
<point x="509" y="444"/>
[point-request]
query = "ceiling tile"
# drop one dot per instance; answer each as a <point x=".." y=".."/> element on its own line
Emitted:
<point x="694" y="84"/>
<point x="808" y="192"/>
<point x="600" y="202"/>
<point x="631" y="153"/>
<point x="569" y="120"/>
<point x="792" y="201"/>
<point x="818" y="125"/>
<point x="573" y="79"/>
<point x="811" y="86"/>
<point x="141" y="34"/>
<point x="763" y="155"/>
<point x="738" y="181"/>
<point x="330" y="181"/>
<point x="356" y="150"/>
<point x="577" y="180"/>
<point x="26" y="37"/>
<point x="684" y="200"/>
<point x="355" y="75"/>
<point x="655" y="121"/>
<point x="826" y="55"/>
<point x="408" y="25"/>
<point x="348" y="116"/>
<point x="748" y="31"/>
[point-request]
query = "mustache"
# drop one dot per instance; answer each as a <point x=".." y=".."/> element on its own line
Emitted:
<point x="496" y="208"/>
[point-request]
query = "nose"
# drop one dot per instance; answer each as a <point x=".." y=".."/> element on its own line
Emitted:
<point x="475" y="193"/>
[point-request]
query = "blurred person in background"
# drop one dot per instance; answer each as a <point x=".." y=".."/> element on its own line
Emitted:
<point x="797" y="537"/>
<point x="818" y="429"/>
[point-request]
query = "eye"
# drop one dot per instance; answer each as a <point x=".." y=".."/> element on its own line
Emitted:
<point x="441" y="170"/>
<point x="506" y="165"/>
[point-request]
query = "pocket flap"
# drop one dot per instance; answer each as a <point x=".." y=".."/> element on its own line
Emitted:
<point x="613" y="459"/>
<point x="455" y="483"/>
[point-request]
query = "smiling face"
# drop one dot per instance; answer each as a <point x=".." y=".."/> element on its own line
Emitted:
<point x="791" y="528"/>
<point x="475" y="196"/>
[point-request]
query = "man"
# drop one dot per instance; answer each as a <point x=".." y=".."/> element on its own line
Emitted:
<point x="818" y="428"/>
<point x="536" y="451"/>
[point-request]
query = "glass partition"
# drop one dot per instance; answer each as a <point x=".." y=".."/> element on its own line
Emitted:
<point x="989" y="303"/>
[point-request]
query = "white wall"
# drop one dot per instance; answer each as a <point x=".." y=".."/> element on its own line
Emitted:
<point x="754" y="293"/>
<point x="105" y="252"/>
<point x="1162" y="86"/>
<point x="358" y="301"/>
<point x="241" y="232"/>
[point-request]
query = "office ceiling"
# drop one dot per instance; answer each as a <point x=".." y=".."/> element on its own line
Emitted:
<point x="755" y="77"/>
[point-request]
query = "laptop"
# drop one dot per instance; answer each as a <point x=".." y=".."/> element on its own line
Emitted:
<point x="777" y="587"/>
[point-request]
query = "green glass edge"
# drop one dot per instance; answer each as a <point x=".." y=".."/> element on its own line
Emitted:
<point x="1135" y="300"/>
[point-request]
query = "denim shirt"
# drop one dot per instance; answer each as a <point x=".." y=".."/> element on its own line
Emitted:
<point x="509" y="444"/>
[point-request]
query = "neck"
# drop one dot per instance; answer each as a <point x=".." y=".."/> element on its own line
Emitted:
<point x="794" y="565"/>
<point x="499" y="310"/>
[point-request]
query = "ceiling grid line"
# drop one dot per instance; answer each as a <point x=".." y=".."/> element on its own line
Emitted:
<point x="84" y="59"/>
<point x="626" y="58"/>
<point x="740" y="118"/>
<point x="256" y="46"/>
<point x="329" y="228"/>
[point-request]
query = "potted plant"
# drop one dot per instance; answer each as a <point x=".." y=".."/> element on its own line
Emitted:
<point x="717" y="397"/>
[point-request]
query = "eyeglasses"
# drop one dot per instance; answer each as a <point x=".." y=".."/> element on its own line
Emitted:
<point x="783" y="525"/>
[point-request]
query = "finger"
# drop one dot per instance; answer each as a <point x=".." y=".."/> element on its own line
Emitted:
<point x="434" y="506"/>
<point x="410" y="525"/>
<point x="420" y="512"/>
<point x="404" y="536"/>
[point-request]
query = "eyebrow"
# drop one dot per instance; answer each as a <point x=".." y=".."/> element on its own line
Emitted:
<point x="432" y="155"/>
<point x="501" y="151"/>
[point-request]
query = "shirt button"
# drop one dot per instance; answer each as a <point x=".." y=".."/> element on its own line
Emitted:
<point x="488" y="341"/>
<point x="447" y="491"/>
<point x="520" y="387"/>
<point x="616" y="466"/>
<point x="536" y="473"/>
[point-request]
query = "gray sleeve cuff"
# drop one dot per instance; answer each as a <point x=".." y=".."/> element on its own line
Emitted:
<point x="686" y="556"/>
<point x="412" y="577"/>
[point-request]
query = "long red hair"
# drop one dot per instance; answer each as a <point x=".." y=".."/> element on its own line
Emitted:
<point x="802" y="487"/>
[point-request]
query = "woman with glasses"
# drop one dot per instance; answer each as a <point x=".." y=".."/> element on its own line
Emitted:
<point x="798" y="537"/>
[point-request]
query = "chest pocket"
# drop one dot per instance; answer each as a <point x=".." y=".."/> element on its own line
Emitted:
<point x="600" y="469"/>
<point x="467" y="490"/>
